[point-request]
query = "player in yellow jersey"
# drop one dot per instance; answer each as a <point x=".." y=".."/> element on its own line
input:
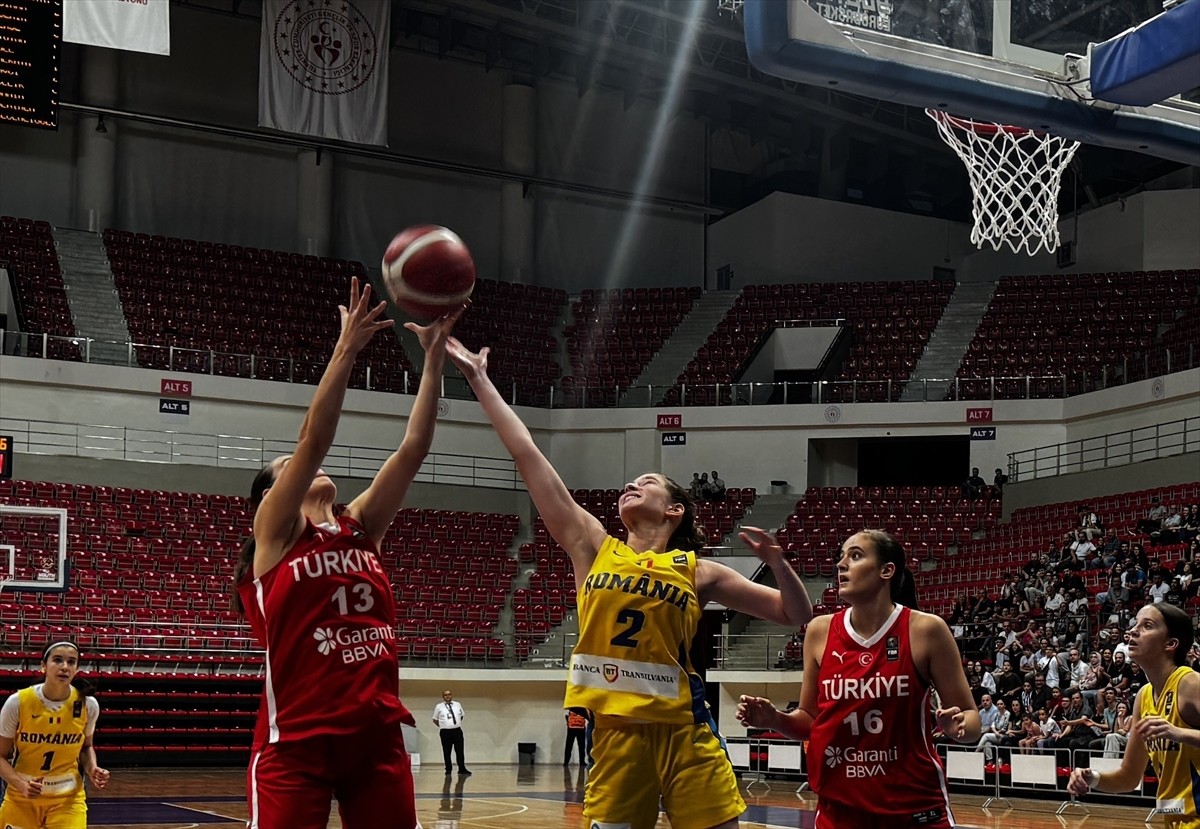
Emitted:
<point x="1166" y="720"/>
<point x="45" y="743"/>
<point x="639" y="606"/>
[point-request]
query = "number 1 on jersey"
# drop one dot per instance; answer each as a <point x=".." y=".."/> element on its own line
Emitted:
<point x="365" y="600"/>
<point x="635" y="619"/>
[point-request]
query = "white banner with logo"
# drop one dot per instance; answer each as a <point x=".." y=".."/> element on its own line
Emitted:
<point x="323" y="68"/>
<point x="134" y="25"/>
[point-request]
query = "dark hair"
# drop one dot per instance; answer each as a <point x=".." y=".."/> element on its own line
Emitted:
<point x="262" y="482"/>
<point x="1179" y="626"/>
<point x="85" y="688"/>
<point x="688" y="535"/>
<point x="890" y="551"/>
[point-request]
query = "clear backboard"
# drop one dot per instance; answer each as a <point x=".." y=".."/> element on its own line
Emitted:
<point x="33" y="548"/>
<point x="1113" y="73"/>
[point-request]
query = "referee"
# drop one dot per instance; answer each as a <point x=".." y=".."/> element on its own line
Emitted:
<point x="448" y="717"/>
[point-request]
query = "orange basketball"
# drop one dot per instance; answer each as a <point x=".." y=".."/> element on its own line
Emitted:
<point x="428" y="271"/>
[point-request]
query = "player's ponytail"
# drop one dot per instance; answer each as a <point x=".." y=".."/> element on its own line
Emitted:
<point x="903" y="586"/>
<point x="262" y="482"/>
<point x="1179" y="627"/>
<point x="688" y="535"/>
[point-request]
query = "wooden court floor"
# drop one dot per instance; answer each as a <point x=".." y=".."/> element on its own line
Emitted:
<point x="510" y="797"/>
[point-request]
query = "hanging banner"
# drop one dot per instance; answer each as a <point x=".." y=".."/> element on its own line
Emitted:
<point x="323" y="69"/>
<point x="132" y="25"/>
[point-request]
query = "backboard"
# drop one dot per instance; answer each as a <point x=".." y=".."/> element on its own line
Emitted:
<point x="1039" y="64"/>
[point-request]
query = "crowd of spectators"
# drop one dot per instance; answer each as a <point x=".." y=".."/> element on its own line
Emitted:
<point x="1046" y="658"/>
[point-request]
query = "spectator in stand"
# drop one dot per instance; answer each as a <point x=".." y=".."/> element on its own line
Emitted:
<point x="1171" y="525"/>
<point x="1016" y="729"/>
<point x="1094" y="678"/>
<point x="1031" y="729"/>
<point x="1089" y="523"/>
<point x="1175" y="595"/>
<point x="1058" y="701"/>
<point x="998" y="482"/>
<point x="1056" y="601"/>
<point x="1110" y="549"/>
<point x="1076" y="669"/>
<point x="1008" y="682"/>
<point x="1077" y="723"/>
<point x="1152" y="523"/>
<point x="1137" y="678"/>
<point x="972" y="487"/>
<point x="1158" y="589"/>
<point x="716" y="487"/>
<point x="1120" y="673"/>
<point x="694" y="487"/>
<point x="1134" y="581"/>
<point x="1041" y="693"/>
<point x="1118" y="735"/>
<point x="986" y="679"/>
<point x="994" y="719"/>
<point x="1028" y="662"/>
<point x="1191" y="525"/>
<point x="1082" y="550"/>
<point x="1187" y="580"/>
<point x="705" y="487"/>
<point x="1078" y="604"/>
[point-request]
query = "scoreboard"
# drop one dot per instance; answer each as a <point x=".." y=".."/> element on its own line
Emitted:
<point x="30" y="52"/>
<point x="6" y="456"/>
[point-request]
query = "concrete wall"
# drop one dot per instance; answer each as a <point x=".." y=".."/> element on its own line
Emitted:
<point x="749" y="445"/>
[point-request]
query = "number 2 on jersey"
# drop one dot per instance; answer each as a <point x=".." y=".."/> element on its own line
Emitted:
<point x="635" y="620"/>
<point x="365" y="600"/>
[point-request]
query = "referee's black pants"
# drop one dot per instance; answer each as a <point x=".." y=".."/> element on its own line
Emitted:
<point x="453" y="738"/>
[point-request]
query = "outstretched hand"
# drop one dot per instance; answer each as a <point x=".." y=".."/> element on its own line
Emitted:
<point x="361" y="321"/>
<point x="472" y="365"/>
<point x="434" y="335"/>
<point x="756" y="712"/>
<point x="763" y="544"/>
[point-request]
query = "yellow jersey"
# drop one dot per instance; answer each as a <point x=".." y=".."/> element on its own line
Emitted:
<point x="48" y="743"/>
<point x="638" y="614"/>
<point x="1177" y="766"/>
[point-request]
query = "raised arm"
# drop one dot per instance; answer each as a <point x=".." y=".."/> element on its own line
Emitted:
<point x="278" y="519"/>
<point x="573" y="527"/>
<point x="376" y="508"/>
<point x="789" y="605"/>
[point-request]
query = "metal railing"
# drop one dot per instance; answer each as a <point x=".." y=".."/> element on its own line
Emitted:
<point x="568" y="395"/>
<point x="41" y="437"/>
<point x="757" y="652"/>
<point x="1161" y="440"/>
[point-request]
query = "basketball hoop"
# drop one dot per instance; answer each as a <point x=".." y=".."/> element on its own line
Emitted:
<point x="1015" y="178"/>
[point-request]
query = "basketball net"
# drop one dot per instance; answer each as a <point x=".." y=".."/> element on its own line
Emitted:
<point x="1015" y="175"/>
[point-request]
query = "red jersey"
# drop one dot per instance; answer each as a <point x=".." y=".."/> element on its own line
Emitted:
<point x="327" y="619"/>
<point x="871" y="745"/>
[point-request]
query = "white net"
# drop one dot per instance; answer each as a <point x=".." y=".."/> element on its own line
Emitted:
<point x="1015" y="175"/>
<point x="729" y="6"/>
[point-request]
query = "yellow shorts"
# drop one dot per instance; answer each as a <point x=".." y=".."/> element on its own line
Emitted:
<point x="635" y="764"/>
<point x="44" y="812"/>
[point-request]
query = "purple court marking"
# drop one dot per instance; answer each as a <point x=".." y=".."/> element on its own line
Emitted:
<point x="139" y="810"/>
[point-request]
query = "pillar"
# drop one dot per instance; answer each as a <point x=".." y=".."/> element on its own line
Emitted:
<point x="95" y="180"/>
<point x="516" y="203"/>
<point x="314" y="201"/>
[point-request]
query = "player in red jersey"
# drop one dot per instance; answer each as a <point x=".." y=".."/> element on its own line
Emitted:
<point x="311" y="586"/>
<point x="865" y="714"/>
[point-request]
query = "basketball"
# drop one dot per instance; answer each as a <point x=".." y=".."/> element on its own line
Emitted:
<point x="428" y="271"/>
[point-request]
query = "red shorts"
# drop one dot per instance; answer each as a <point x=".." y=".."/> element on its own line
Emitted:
<point x="832" y="815"/>
<point x="290" y="785"/>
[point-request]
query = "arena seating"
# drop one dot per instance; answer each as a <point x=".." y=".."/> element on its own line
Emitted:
<point x="27" y="251"/>
<point x="926" y="519"/>
<point x="615" y="333"/>
<point x="892" y="322"/>
<point x="982" y="563"/>
<point x="150" y="577"/>
<point x="516" y="322"/>
<point x="1073" y="324"/>
<point x="184" y="299"/>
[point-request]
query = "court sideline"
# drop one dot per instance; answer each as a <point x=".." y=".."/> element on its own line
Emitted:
<point x="508" y="797"/>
